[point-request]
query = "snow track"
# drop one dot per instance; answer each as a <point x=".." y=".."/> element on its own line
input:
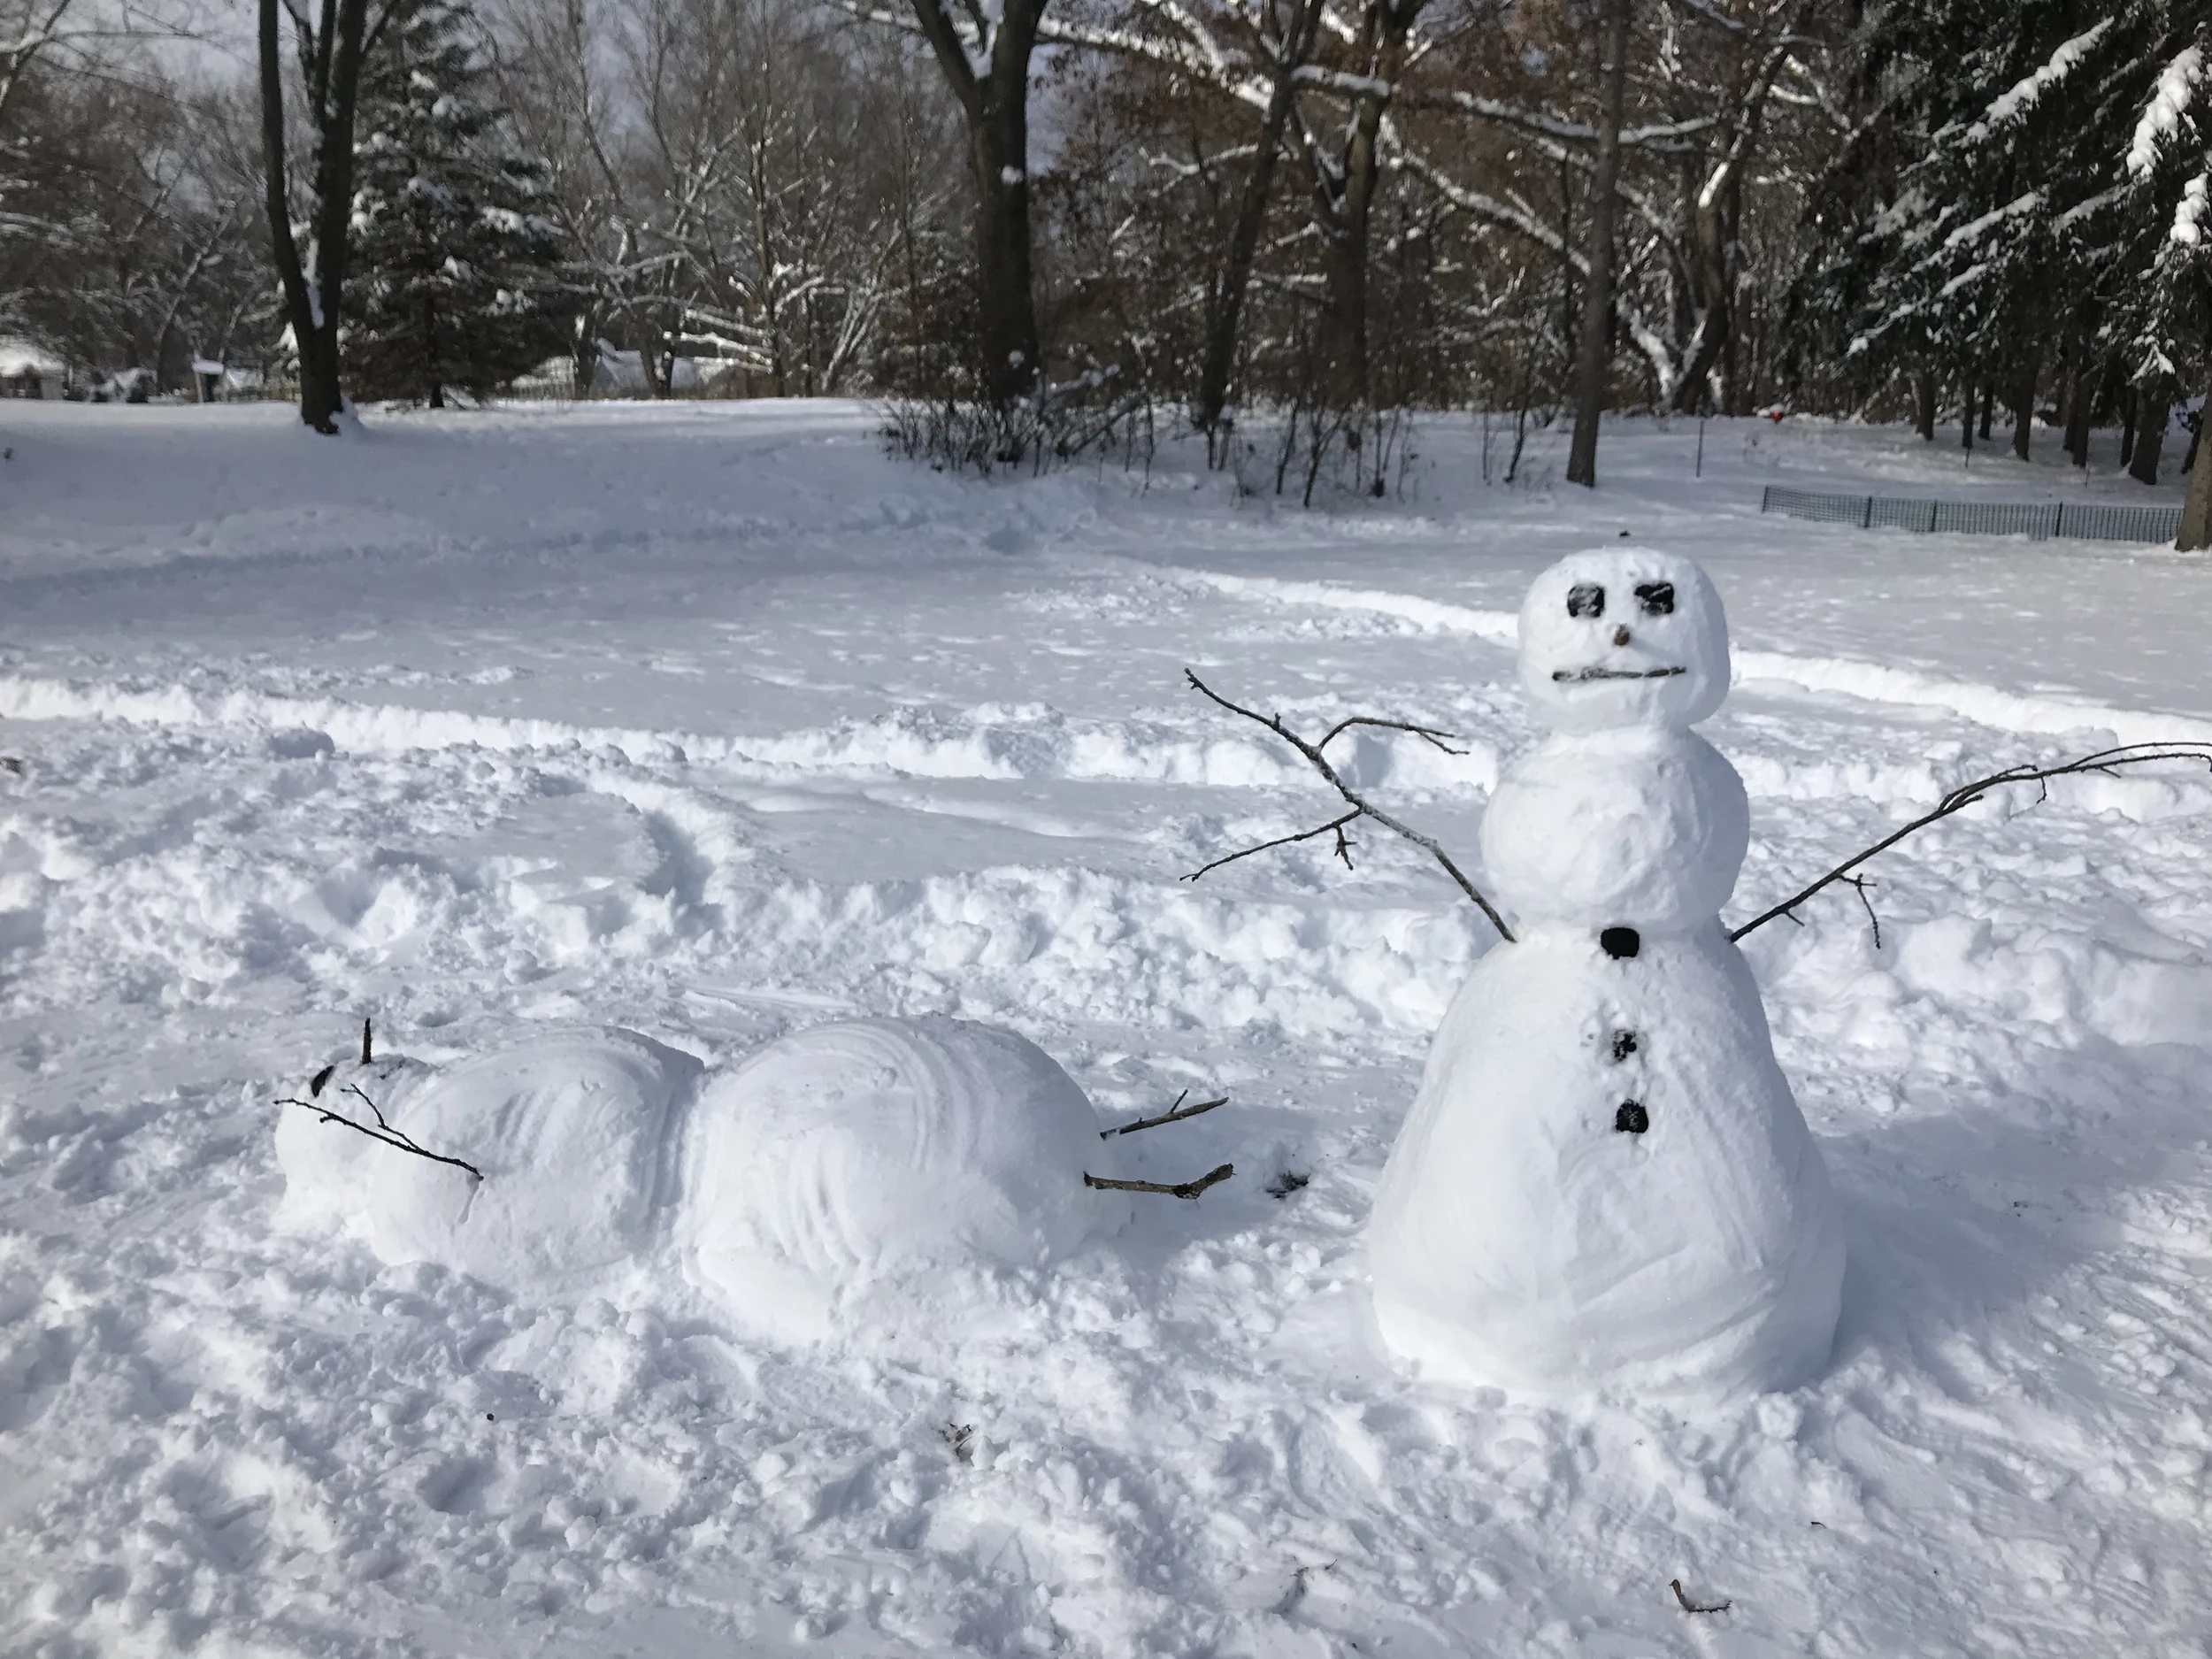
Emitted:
<point x="714" y="724"/>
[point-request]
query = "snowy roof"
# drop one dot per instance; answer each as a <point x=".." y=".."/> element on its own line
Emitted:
<point x="17" y="357"/>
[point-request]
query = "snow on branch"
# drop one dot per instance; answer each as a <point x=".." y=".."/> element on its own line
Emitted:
<point x="1973" y="230"/>
<point x="2190" y="213"/>
<point x="1663" y="135"/>
<point x="1666" y="364"/>
<point x="2162" y="117"/>
<point x="2011" y="105"/>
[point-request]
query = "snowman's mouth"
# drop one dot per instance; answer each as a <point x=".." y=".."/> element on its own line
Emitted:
<point x="1614" y="674"/>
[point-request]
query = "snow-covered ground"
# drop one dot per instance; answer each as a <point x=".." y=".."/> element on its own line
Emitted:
<point x="712" y="722"/>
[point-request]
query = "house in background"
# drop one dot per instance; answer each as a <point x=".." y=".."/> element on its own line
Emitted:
<point x="27" y="371"/>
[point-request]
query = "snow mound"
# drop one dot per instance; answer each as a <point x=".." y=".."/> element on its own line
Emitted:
<point x="885" y="1155"/>
<point x="570" y="1130"/>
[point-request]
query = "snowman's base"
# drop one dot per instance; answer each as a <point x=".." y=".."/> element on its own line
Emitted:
<point x="1605" y="1184"/>
<point x="1781" y="1350"/>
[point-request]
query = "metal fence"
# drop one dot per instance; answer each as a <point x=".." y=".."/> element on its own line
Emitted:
<point x="2087" y="521"/>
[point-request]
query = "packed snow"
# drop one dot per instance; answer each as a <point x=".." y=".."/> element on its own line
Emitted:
<point x="600" y="754"/>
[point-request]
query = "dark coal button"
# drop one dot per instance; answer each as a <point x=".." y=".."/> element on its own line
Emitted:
<point x="1620" y="942"/>
<point x="1631" y="1119"/>
<point x="1624" y="1045"/>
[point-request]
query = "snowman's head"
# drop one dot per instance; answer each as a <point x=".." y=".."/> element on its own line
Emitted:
<point x="1627" y="636"/>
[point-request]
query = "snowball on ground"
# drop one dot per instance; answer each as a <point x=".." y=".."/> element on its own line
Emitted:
<point x="884" y="1154"/>
<point x="570" y="1130"/>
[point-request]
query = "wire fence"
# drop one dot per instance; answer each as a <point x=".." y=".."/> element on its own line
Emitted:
<point x="2038" y="521"/>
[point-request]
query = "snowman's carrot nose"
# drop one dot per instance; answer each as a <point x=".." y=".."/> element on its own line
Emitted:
<point x="1620" y="635"/>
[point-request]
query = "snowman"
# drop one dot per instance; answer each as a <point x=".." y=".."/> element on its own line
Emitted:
<point x="1604" y="1182"/>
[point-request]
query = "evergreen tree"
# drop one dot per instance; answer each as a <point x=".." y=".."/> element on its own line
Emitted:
<point x="2165" y="333"/>
<point x="1987" y="256"/>
<point x="2165" y="217"/>
<point x="457" y="275"/>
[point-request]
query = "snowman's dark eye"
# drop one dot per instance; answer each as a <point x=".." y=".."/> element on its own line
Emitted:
<point x="1657" y="597"/>
<point x="1586" y="599"/>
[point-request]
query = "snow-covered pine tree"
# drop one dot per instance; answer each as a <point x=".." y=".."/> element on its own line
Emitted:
<point x="2165" y="195"/>
<point x="455" y="273"/>
<point x="1987" y="263"/>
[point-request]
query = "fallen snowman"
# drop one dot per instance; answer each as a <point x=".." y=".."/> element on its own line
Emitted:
<point x="1604" y="1182"/>
<point x="860" y="1176"/>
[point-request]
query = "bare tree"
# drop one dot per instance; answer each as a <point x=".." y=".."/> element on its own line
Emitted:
<point x="330" y="42"/>
<point x="984" y="58"/>
<point x="1594" y="359"/>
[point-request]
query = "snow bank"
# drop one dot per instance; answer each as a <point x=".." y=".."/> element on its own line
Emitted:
<point x="885" y="1155"/>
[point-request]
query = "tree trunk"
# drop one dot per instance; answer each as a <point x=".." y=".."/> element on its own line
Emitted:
<point x="317" y="396"/>
<point x="2023" y="408"/>
<point x="1597" y="314"/>
<point x="2127" y="425"/>
<point x="1244" y="240"/>
<point x="2080" y="400"/>
<point x="1344" y="202"/>
<point x="2196" y="507"/>
<point x="2151" y="408"/>
<point x="999" y="156"/>
<point x="1712" y="231"/>
<point x="1924" y="392"/>
<point x="1966" y="415"/>
<point x="313" y="309"/>
<point x="1989" y="406"/>
<point x="996" y="105"/>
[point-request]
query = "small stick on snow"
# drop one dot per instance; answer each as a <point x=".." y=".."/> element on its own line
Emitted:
<point x="2104" y="760"/>
<point x="383" y="1130"/>
<point x="1872" y="920"/>
<point x="1179" y="1189"/>
<point x="365" y="1042"/>
<point x="1361" y="806"/>
<point x="1689" y="1606"/>
<point x="1174" y="1114"/>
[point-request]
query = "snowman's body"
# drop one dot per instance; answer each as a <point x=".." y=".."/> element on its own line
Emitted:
<point x="1604" y="1181"/>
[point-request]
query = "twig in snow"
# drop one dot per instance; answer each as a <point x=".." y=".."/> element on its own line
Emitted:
<point x="382" y="1131"/>
<point x="1689" y="1606"/>
<point x="1361" y="806"/>
<point x="1287" y="1182"/>
<point x="2105" y="761"/>
<point x="1174" y="1114"/>
<point x="1179" y="1189"/>
<point x="366" y="1045"/>
<point x="1343" y="849"/>
<point x="1859" y="883"/>
<point x="960" y="1437"/>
